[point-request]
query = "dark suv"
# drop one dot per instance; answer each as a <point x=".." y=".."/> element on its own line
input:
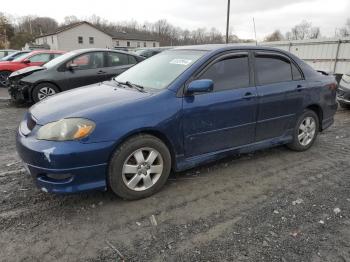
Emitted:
<point x="73" y="69"/>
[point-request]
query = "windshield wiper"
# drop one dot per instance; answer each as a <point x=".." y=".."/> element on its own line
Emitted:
<point x="135" y="86"/>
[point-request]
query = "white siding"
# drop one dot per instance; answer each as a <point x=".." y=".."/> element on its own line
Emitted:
<point x="133" y="43"/>
<point x="68" y="40"/>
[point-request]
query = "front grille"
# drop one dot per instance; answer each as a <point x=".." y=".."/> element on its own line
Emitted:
<point x="31" y="123"/>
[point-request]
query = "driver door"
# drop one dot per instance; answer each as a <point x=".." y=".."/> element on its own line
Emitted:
<point x="225" y="118"/>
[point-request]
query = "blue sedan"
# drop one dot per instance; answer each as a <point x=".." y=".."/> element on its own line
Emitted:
<point x="177" y="110"/>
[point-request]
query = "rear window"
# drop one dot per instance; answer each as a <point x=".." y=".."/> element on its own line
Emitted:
<point x="272" y="69"/>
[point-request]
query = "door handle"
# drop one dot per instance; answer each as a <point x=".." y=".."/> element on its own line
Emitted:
<point x="300" y="87"/>
<point x="101" y="72"/>
<point x="248" y="95"/>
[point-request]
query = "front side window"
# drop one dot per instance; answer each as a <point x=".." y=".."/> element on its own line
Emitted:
<point x="159" y="71"/>
<point x="91" y="40"/>
<point x="270" y="69"/>
<point x="91" y="60"/>
<point x="80" y="39"/>
<point x="117" y="59"/>
<point x="132" y="60"/>
<point x="40" y="58"/>
<point x="229" y="73"/>
<point x="296" y="73"/>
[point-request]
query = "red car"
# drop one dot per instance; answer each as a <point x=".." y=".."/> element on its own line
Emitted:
<point x="35" y="58"/>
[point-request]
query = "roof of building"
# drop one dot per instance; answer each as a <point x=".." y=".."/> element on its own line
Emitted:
<point x="133" y="36"/>
<point x="70" y="26"/>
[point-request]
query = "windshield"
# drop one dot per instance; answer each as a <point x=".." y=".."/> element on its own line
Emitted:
<point x="60" y="59"/>
<point x="159" y="71"/>
<point x="20" y="57"/>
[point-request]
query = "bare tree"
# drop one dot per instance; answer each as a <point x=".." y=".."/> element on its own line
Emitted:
<point x="302" y="31"/>
<point x="275" y="36"/>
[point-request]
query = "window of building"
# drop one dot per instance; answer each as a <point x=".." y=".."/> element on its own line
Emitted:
<point x="80" y="39"/>
<point x="154" y="44"/>
<point x="138" y="44"/>
<point x="52" y="39"/>
<point x="144" y="44"/>
<point x="230" y="73"/>
<point x="91" y="40"/>
<point x="271" y="69"/>
<point x="117" y="43"/>
<point x="128" y="44"/>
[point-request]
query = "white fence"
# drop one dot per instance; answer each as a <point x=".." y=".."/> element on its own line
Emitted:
<point x="329" y="55"/>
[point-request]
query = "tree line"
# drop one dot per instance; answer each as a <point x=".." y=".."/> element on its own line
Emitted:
<point x="15" y="32"/>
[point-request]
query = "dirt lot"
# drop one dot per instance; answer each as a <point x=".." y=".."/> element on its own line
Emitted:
<point x="273" y="205"/>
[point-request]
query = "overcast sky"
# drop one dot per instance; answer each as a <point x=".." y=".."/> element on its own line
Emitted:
<point x="269" y="14"/>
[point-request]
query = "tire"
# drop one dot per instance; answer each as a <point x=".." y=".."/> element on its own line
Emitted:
<point x="44" y="90"/>
<point x="131" y="176"/>
<point x="3" y="78"/>
<point x="310" y="133"/>
<point x="343" y="105"/>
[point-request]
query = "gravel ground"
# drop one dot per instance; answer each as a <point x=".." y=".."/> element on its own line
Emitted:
<point x="273" y="205"/>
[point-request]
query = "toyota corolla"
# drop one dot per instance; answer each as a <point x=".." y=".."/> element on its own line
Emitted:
<point x="177" y="110"/>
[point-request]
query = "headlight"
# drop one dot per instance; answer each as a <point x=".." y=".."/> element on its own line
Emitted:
<point x="66" y="129"/>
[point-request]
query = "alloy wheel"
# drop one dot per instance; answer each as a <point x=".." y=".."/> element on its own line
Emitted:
<point x="142" y="169"/>
<point x="45" y="92"/>
<point x="307" y="131"/>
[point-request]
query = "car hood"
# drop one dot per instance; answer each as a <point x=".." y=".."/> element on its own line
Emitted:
<point x="26" y="71"/>
<point x="87" y="102"/>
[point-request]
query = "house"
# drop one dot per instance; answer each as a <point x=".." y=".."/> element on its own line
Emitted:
<point x="76" y="36"/>
<point x="85" y="35"/>
<point x="133" y="40"/>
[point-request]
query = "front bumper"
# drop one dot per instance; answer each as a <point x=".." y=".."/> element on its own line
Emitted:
<point x="343" y="96"/>
<point x="65" y="167"/>
<point x="19" y="91"/>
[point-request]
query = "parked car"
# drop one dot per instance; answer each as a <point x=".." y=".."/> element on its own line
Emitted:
<point x="149" y="52"/>
<point x="73" y="69"/>
<point x="6" y="52"/>
<point x="174" y="111"/>
<point x="14" y="55"/>
<point x="343" y="94"/>
<point x="34" y="58"/>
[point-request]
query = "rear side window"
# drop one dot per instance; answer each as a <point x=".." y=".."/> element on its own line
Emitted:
<point x="117" y="59"/>
<point x="229" y="73"/>
<point x="270" y="69"/>
<point x="296" y="73"/>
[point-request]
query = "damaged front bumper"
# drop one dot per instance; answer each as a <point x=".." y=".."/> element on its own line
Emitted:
<point x="19" y="91"/>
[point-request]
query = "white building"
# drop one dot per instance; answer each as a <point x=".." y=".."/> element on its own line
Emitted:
<point x="85" y="35"/>
<point x="133" y="40"/>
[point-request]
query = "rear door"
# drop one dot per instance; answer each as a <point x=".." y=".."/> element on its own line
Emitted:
<point x="90" y="69"/>
<point x="281" y="91"/>
<point x="117" y="63"/>
<point x="226" y="117"/>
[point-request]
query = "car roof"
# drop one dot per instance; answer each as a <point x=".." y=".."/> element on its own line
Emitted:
<point x="46" y="51"/>
<point x="224" y="47"/>
<point x="85" y="50"/>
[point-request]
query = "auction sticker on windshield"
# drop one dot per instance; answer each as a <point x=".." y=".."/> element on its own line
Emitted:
<point x="179" y="61"/>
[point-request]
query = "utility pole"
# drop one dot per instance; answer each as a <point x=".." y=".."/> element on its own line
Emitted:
<point x="256" y="40"/>
<point x="228" y="20"/>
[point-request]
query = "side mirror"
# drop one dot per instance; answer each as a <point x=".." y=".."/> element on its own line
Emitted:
<point x="200" y="86"/>
<point x="27" y="61"/>
<point x="71" y="67"/>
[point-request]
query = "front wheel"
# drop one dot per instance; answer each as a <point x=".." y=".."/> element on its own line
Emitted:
<point x="3" y="78"/>
<point x="139" y="167"/>
<point x="305" y="131"/>
<point x="43" y="90"/>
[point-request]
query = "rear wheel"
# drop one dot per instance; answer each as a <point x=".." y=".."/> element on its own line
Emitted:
<point x="3" y="78"/>
<point x="305" y="131"/>
<point x="43" y="90"/>
<point x="139" y="167"/>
